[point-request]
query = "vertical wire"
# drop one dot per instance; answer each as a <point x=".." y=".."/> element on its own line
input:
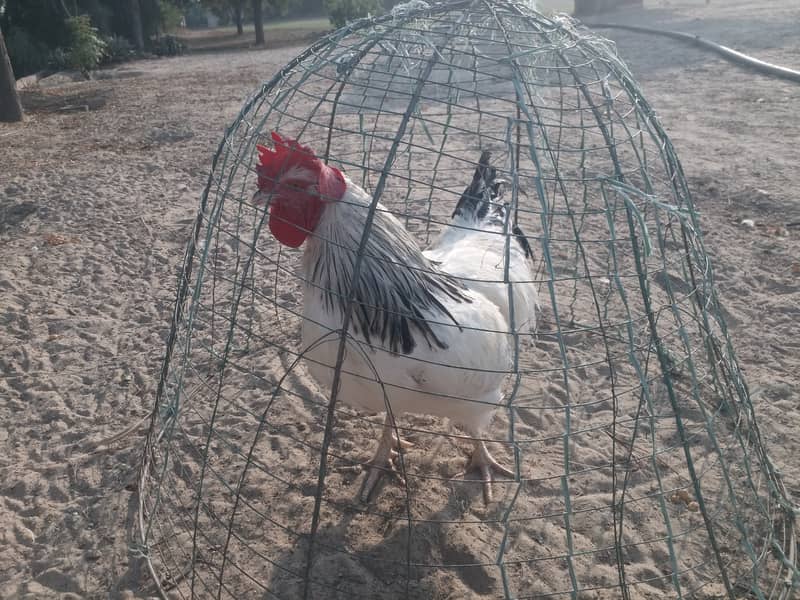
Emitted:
<point x="349" y="308"/>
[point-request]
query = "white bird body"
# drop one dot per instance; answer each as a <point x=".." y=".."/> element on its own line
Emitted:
<point x="465" y="389"/>
<point x="477" y="256"/>
<point x="462" y="381"/>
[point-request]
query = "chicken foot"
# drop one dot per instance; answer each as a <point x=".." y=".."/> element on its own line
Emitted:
<point x="484" y="463"/>
<point x="384" y="460"/>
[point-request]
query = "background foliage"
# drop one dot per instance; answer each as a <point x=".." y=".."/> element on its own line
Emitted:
<point x="78" y="34"/>
<point x="343" y="11"/>
<point x="83" y="34"/>
<point x="86" y="48"/>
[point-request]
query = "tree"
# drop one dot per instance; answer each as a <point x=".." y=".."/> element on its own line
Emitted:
<point x="10" y="107"/>
<point x="137" y="33"/>
<point x="258" y="21"/>
<point x="238" y="10"/>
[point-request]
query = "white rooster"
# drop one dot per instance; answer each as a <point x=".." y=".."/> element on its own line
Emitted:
<point x="434" y="327"/>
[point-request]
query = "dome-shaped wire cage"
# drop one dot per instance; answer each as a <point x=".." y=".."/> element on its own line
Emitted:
<point x="638" y="467"/>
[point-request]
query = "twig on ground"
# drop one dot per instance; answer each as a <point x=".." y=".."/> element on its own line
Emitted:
<point x="99" y="446"/>
<point x="147" y="227"/>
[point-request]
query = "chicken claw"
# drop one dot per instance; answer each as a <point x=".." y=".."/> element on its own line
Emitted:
<point x="384" y="461"/>
<point x="484" y="463"/>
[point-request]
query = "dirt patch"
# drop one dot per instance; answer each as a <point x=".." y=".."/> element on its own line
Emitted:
<point x="59" y="100"/>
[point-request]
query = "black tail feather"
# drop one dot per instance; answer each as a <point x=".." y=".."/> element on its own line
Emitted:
<point x="523" y="242"/>
<point x="477" y="199"/>
<point x="482" y="200"/>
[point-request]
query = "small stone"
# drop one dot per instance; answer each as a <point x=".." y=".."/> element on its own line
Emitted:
<point x="749" y="223"/>
<point x="58" y="426"/>
<point x="680" y="497"/>
<point x="24" y="535"/>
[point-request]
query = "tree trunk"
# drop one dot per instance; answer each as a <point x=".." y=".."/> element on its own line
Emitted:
<point x="237" y="13"/>
<point x="258" y="21"/>
<point x="10" y="108"/>
<point x="137" y="37"/>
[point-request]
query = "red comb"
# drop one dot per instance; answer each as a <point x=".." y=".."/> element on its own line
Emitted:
<point x="273" y="162"/>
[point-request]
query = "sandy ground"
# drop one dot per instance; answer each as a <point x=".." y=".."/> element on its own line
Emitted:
<point x="96" y="207"/>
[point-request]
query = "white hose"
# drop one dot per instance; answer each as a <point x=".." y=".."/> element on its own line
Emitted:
<point x="727" y="53"/>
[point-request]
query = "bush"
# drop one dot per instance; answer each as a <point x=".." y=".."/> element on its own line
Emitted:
<point x="27" y="55"/>
<point x="341" y="12"/>
<point x="86" y="48"/>
<point x="118" y="49"/>
<point x="170" y="16"/>
<point x="168" y="45"/>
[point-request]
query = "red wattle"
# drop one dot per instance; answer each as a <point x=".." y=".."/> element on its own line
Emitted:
<point x="285" y="222"/>
<point x="295" y="214"/>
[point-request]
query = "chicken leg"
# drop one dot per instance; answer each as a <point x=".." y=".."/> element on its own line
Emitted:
<point x="484" y="463"/>
<point x="383" y="462"/>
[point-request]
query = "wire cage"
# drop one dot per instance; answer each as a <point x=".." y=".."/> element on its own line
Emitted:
<point x="639" y="471"/>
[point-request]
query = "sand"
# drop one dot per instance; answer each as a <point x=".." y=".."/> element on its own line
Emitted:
<point x="96" y="207"/>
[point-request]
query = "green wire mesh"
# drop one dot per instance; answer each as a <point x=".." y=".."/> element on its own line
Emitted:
<point x="640" y="472"/>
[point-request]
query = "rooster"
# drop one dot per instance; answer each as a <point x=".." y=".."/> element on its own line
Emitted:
<point x="430" y="332"/>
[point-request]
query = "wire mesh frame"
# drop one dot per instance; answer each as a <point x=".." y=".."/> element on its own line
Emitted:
<point x="425" y="71"/>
